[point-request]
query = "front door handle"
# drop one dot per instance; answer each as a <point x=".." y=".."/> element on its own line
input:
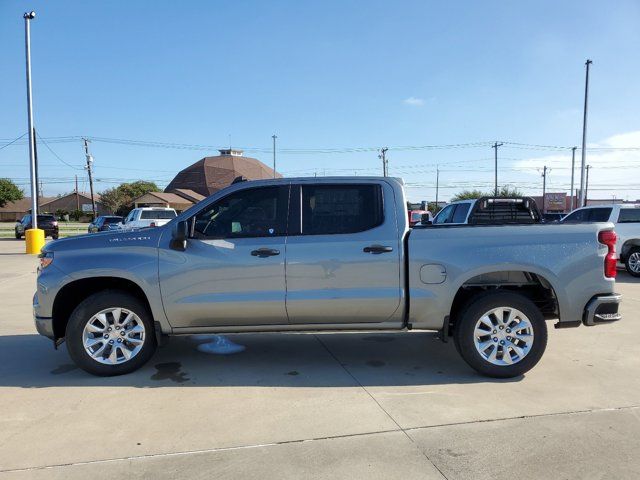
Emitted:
<point x="265" y="252"/>
<point x="377" y="249"/>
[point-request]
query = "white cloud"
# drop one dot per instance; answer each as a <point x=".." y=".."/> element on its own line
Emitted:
<point x="414" y="101"/>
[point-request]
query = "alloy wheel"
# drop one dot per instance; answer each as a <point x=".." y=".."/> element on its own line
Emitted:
<point x="503" y="336"/>
<point x="113" y="336"/>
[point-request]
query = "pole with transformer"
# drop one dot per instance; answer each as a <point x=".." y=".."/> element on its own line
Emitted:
<point x="573" y="168"/>
<point x="89" y="171"/>
<point x="274" y="154"/>
<point x="495" y="148"/>
<point x="584" y="136"/>
<point x="544" y="189"/>
<point x="34" y="237"/>
<point x="383" y="157"/>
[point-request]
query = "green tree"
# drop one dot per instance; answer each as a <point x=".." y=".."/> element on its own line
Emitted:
<point x="120" y="199"/>
<point x="9" y="192"/>
<point x="468" y="195"/>
<point x="433" y="208"/>
<point x="508" y="191"/>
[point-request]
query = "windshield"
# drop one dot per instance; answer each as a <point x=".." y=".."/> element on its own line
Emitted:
<point x="158" y="214"/>
<point x="112" y="220"/>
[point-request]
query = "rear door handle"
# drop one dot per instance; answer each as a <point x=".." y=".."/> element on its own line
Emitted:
<point x="377" y="249"/>
<point x="265" y="252"/>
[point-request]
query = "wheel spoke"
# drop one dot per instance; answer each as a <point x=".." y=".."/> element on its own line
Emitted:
<point x="486" y="320"/>
<point x="116" y="312"/>
<point x="125" y="352"/>
<point x="98" y="353"/>
<point x="94" y="327"/>
<point x="134" y="340"/>
<point x="517" y="349"/>
<point x="113" y="355"/>
<point x="102" y="317"/>
<point x="92" y="342"/>
<point x="127" y="319"/>
<point x="506" y="355"/>
<point x="493" y="355"/>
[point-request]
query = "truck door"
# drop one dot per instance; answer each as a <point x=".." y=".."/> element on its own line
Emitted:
<point x="343" y="254"/>
<point x="232" y="271"/>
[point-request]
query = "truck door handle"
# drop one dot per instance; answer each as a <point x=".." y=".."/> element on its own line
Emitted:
<point x="265" y="252"/>
<point x="377" y="249"/>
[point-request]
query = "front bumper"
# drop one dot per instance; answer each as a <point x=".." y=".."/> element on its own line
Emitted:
<point x="602" y="309"/>
<point x="44" y="326"/>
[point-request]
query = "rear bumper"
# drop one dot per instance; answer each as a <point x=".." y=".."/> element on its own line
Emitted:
<point x="602" y="309"/>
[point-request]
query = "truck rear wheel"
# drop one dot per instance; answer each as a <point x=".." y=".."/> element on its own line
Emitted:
<point x="501" y="334"/>
<point x="110" y="333"/>
<point x="632" y="262"/>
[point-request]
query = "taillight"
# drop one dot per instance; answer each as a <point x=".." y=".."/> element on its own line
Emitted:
<point x="608" y="238"/>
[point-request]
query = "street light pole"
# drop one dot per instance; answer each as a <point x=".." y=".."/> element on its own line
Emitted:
<point x="32" y="152"/>
<point x="495" y="147"/>
<point x="573" y="168"/>
<point x="584" y="135"/>
<point x="274" y="155"/>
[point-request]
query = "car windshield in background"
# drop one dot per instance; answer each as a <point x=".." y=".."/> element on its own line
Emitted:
<point x="46" y="218"/>
<point x="112" y="220"/>
<point x="157" y="214"/>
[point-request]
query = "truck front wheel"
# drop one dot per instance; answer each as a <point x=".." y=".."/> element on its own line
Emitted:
<point x="501" y="334"/>
<point x="110" y="333"/>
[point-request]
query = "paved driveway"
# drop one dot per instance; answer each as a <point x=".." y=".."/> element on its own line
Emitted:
<point x="350" y="405"/>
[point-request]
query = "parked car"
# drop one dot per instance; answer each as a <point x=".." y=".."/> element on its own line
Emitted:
<point x="417" y="216"/>
<point x="144" y="217"/>
<point x="489" y="211"/>
<point x="323" y="254"/>
<point x="626" y="218"/>
<point x="105" y="223"/>
<point x="46" y="222"/>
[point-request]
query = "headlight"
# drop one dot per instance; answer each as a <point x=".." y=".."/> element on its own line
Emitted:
<point x="46" y="258"/>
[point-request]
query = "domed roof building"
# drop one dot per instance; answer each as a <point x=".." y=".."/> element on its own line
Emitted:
<point x="211" y="174"/>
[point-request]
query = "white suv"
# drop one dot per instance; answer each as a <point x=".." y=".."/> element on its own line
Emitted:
<point x="148" y="217"/>
<point x="626" y="218"/>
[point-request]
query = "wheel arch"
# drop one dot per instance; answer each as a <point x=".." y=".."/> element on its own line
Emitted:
<point x="532" y="285"/>
<point x="627" y="246"/>
<point x="74" y="292"/>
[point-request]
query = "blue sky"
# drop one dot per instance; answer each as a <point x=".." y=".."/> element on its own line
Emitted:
<point x="327" y="75"/>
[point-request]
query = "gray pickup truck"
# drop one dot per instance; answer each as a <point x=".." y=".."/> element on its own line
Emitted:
<point x="308" y="254"/>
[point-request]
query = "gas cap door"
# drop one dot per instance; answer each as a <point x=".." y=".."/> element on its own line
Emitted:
<point x="433" y="273"/>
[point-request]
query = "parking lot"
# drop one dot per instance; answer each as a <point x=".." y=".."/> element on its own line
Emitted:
<point x="358" y="405"/>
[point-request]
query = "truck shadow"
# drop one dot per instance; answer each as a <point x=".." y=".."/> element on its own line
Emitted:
<point x="624" y="277"/>
<point x="269" y="360"/>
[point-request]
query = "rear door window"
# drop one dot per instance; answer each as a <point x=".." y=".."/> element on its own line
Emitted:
<point x="460" y="215"/>
<point x="157" y="214"/>
<point x="576" y="217"/>
<point x="629" y="215"/>
<point x="340" y="209"/>
<point x="599" y="214"/>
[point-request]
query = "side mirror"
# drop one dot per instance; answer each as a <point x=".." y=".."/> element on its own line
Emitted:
<point x="425" y="219"/>
<point x="179" y="236"/>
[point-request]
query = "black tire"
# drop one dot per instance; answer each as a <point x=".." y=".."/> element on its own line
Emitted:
<point x="636" y="251"/>
<point x="464" y="333"/>
<point x="55" y="237"/>
<point x="18" y="236"/>
<point x="91" y="306"/>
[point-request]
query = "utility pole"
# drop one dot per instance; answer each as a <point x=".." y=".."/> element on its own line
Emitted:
<point x="586" y="188"/>
<point x="383" y="156"/>
<point x="573" y="168"/>
<point x="583" y="198"/>
<point x="274" y="154"/>
<point x="544" y="189"/>
<point x="437" y="184"/>
<point x="33" y="166"/>
<point x="495" y="148"/>
<point x="77" y="196"/>
<point x="89" y="167"/>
